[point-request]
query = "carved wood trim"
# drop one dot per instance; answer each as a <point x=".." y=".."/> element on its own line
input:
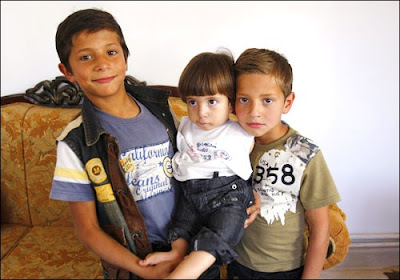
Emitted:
<point x="57" y="92"/>
<point x="62" y="93"/>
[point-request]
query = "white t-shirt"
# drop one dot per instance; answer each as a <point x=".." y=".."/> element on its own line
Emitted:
<point x="202" y="152"/>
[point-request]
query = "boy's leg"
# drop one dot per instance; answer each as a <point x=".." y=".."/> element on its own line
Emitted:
<point x="185" y="220"/>
<point x="225" y="220"/>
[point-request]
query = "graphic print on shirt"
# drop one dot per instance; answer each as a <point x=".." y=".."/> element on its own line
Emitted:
<point x="148" y="170"/>
<point x="208" y="151"/>
<point x="278" y="177"/>
<point x="200" y="152"/>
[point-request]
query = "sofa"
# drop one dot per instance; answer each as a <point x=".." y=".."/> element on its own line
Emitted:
<point x="37" y="234"/>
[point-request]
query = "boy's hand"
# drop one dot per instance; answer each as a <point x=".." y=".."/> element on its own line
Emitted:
<point x="253" y="210"/>
<point x="160" y="264"/>
<point x="156" y="258"/>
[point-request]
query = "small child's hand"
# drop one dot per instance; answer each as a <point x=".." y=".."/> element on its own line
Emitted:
<point x="253" y="210"/>
<point x="156" y="258"/>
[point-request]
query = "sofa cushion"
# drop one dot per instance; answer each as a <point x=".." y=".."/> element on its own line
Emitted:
<point x="10" y="235"/>
<point x="14" y="200"/>
<point x="51" y="252"/>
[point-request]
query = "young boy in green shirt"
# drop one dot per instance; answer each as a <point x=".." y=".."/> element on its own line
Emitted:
<point x="289" y="173"/>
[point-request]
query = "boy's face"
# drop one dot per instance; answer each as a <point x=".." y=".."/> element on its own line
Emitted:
<point x="209" y="111"/>
<point x="98" y="64"/>
<point x="259" y="106"/>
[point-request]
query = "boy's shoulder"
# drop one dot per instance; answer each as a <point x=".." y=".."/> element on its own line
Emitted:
<point x="302" y="147"/>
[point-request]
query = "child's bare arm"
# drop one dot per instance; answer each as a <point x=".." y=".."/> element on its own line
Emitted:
<point x="318" y="223"/>
<point x="193" y="265"/>
<point x="96" y="240"/>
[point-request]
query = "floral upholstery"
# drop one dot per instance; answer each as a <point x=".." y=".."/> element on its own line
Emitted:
<point x="51" y="252"/>
<point x="42" y="126"/>
<point x="10" y="235"/>
<point x="13" y="190"/>
<point x="37" y="234"/>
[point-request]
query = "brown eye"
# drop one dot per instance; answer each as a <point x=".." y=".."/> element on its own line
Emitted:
<point x="243" y="100"/>
<point x="85" y="57"/>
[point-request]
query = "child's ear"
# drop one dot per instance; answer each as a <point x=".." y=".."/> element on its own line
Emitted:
<point x="288" y="102"/>
<point x="67" y="74"/>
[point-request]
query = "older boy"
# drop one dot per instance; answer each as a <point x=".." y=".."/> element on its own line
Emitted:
<point x="101" y="157"/>
<point x="113" y="160"/>
<point x="289" y="173"/>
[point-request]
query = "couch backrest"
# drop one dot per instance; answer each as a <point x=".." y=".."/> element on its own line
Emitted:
<point x="28" y="157"/>
<point x="14" y="200"/>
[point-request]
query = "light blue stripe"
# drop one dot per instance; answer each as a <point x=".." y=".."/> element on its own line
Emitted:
<point x="67" y="191"/>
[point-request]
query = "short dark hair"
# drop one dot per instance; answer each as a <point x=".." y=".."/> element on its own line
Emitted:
<point x="90" y="20"/>
<point x="208" y="74"/>
<point x="268" y="62"/>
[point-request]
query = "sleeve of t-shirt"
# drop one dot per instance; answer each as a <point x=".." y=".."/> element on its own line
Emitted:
<point x="248" y="140"/>
<point x="318" y="188"/>
<point x="70" y="181"/>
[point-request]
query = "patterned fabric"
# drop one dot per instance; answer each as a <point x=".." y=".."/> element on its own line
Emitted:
<point x="28" y="147"/>
<point x="13" y="185"/>
<point x="51" y="253"/>
<point x="10" y="235"/>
